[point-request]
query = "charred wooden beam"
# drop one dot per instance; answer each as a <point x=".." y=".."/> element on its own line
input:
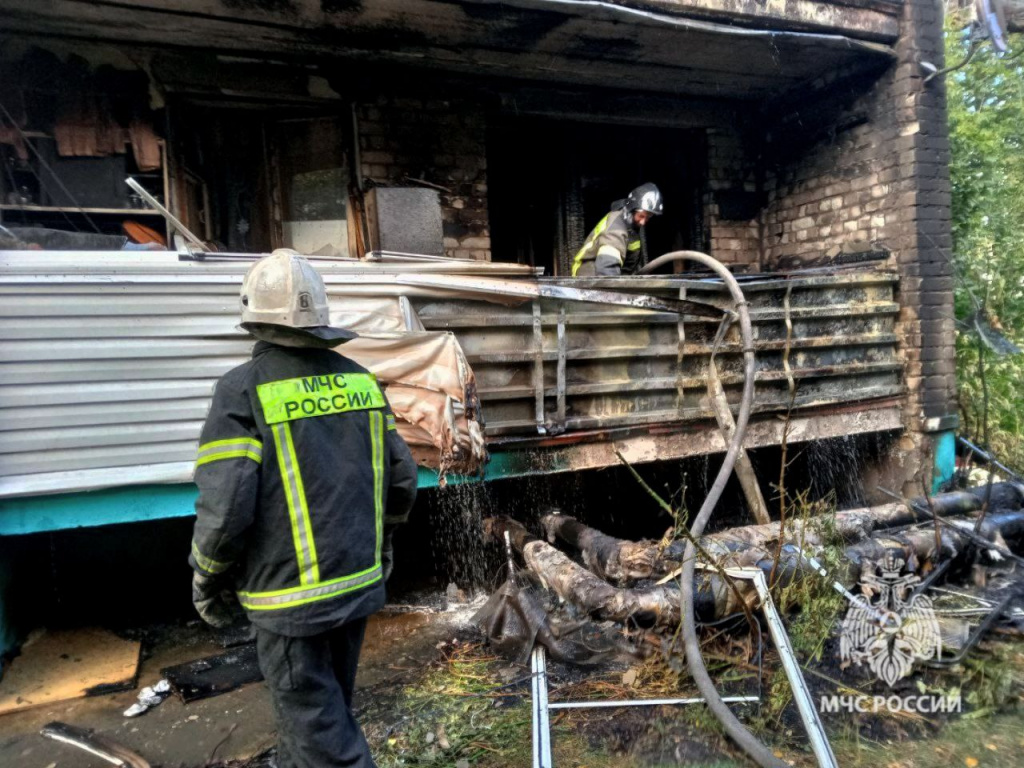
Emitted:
<point x="915" y="547"/>
<point x="624" y="561"/>
<point x="618" y="560"/>
<point x="629" y="562"/>
<point x="657" y="605"/>
<point x="727" y="424"/>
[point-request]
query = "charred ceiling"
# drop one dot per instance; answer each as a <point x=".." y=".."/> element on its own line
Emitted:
<point x="662" y="46"/>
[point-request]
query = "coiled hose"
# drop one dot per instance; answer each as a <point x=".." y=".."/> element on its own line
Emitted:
<point x="739" y="733"/>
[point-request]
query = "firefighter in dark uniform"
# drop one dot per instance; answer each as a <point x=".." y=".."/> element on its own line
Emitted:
<point x="614" y="247"/>
<point x="302" y="479"/>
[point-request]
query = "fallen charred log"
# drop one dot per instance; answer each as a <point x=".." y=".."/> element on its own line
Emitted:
<point x="656" y="605"/>
<point x="618" y="560"/>
<point x="607" y="557"/>
<point x="626" y="562"/>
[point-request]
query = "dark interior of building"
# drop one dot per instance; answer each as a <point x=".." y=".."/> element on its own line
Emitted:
<point x="552" y="181"/>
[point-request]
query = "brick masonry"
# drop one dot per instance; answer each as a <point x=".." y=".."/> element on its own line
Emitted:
<point x="439" y="141"/>
<point x="881" y="181"/>
<point x="730" y="168"/>
<point x="884" y="181"/>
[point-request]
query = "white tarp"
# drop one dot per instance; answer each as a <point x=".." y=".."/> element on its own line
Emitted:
<point x="428" y="382"/>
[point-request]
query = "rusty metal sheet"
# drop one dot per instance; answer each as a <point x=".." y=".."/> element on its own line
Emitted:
<point x="606" y="366"/>
<point x="563" y="455"/>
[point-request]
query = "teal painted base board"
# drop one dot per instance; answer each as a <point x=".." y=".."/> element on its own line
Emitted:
<point x="132" y="504"/>
<point x="945" y="459"/>
<point x="38" y="514"/>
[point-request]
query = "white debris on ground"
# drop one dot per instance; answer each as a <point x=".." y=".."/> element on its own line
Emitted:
<point x="149" y="697"/>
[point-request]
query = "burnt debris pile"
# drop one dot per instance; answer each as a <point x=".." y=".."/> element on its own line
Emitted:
<point x="586" y="596"/>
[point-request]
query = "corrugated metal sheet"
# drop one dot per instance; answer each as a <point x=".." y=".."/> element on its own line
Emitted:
<point x="622" y="367"/>
<point x="106" y="369"/>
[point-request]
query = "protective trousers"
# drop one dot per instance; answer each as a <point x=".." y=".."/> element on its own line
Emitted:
<point x="311" y="680"/>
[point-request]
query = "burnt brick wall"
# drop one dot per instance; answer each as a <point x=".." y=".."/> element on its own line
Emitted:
<point x="731" y="168"/>
<point x="878" y="175"/>
<point x="440" y="141"/>
<point x="921" y="219"/>
<point x="838" y="193"/>
<point x="886" y="181"/>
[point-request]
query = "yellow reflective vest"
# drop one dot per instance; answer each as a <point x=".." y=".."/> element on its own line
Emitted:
<point x="613" y="247"/>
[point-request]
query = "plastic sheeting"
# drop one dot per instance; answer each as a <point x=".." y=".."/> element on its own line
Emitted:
<point x="428" y="382"/>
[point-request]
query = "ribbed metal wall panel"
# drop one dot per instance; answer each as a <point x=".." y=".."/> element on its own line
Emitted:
<point x="108" y="360"/>
<point x="107" y="367"/>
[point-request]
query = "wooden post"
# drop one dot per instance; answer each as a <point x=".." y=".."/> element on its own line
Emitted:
<point x="744" y="469"/>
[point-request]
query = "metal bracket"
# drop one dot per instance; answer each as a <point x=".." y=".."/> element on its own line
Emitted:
<point x="538" y="369"/>
<point x="541" y="708"/>
<point x="680" y="357"/>
<point x="563" y="350"/>
<point x="801" y="694"/>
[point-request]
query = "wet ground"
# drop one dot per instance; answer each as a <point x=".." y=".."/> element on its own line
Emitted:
<point x="430" y="693"/>
<point x="233" y="726"/>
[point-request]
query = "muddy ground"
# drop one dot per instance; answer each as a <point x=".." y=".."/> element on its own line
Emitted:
<point x="432" y="694"/>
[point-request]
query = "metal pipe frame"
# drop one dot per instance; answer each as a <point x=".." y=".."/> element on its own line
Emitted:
<point x="801" y="694"/>
<point x="541" y="708"/>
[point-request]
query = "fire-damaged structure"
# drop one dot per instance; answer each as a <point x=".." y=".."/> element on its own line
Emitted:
<point x="797" y="144"/>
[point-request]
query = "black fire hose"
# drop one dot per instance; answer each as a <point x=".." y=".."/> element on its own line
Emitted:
<point x="749" y="743"/>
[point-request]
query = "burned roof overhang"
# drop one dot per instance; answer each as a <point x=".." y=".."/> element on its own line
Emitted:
<point x="660" y="47"/>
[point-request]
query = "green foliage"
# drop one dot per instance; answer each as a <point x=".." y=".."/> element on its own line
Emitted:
<point x="986" y="117"/>
<point x="992" y="677"/>
<point x="449" y="715"/>
<point x="813" y="606"/>
<point x="813" y="609"/>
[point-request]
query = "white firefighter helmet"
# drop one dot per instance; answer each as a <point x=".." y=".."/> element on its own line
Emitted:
<point x="284" y="297"/>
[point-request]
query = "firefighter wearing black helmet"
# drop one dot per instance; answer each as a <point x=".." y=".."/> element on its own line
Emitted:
<point x="614" y="246"/>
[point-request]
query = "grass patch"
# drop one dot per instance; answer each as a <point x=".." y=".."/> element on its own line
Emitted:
<point x="811" y="607"/>
<point x="997" y="744"/>
<point x="461" y="712"/>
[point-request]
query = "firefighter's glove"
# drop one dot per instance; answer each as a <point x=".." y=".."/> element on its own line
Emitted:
<point x="387" y="552"/>
<point x="214" y="600"/>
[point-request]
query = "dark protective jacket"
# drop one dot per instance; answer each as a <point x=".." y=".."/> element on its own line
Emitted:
<point x="299" y="470"/>
<point x="612" y="248"/>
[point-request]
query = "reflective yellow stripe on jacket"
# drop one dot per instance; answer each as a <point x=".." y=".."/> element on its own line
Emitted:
<point x="298" y="510"/>
<point x="602" y="225"/>
<point x="232" y="448"/>
<point x="289" y="598"/>
<point x="377" y="457"/>
<point x="208" y="564"/>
